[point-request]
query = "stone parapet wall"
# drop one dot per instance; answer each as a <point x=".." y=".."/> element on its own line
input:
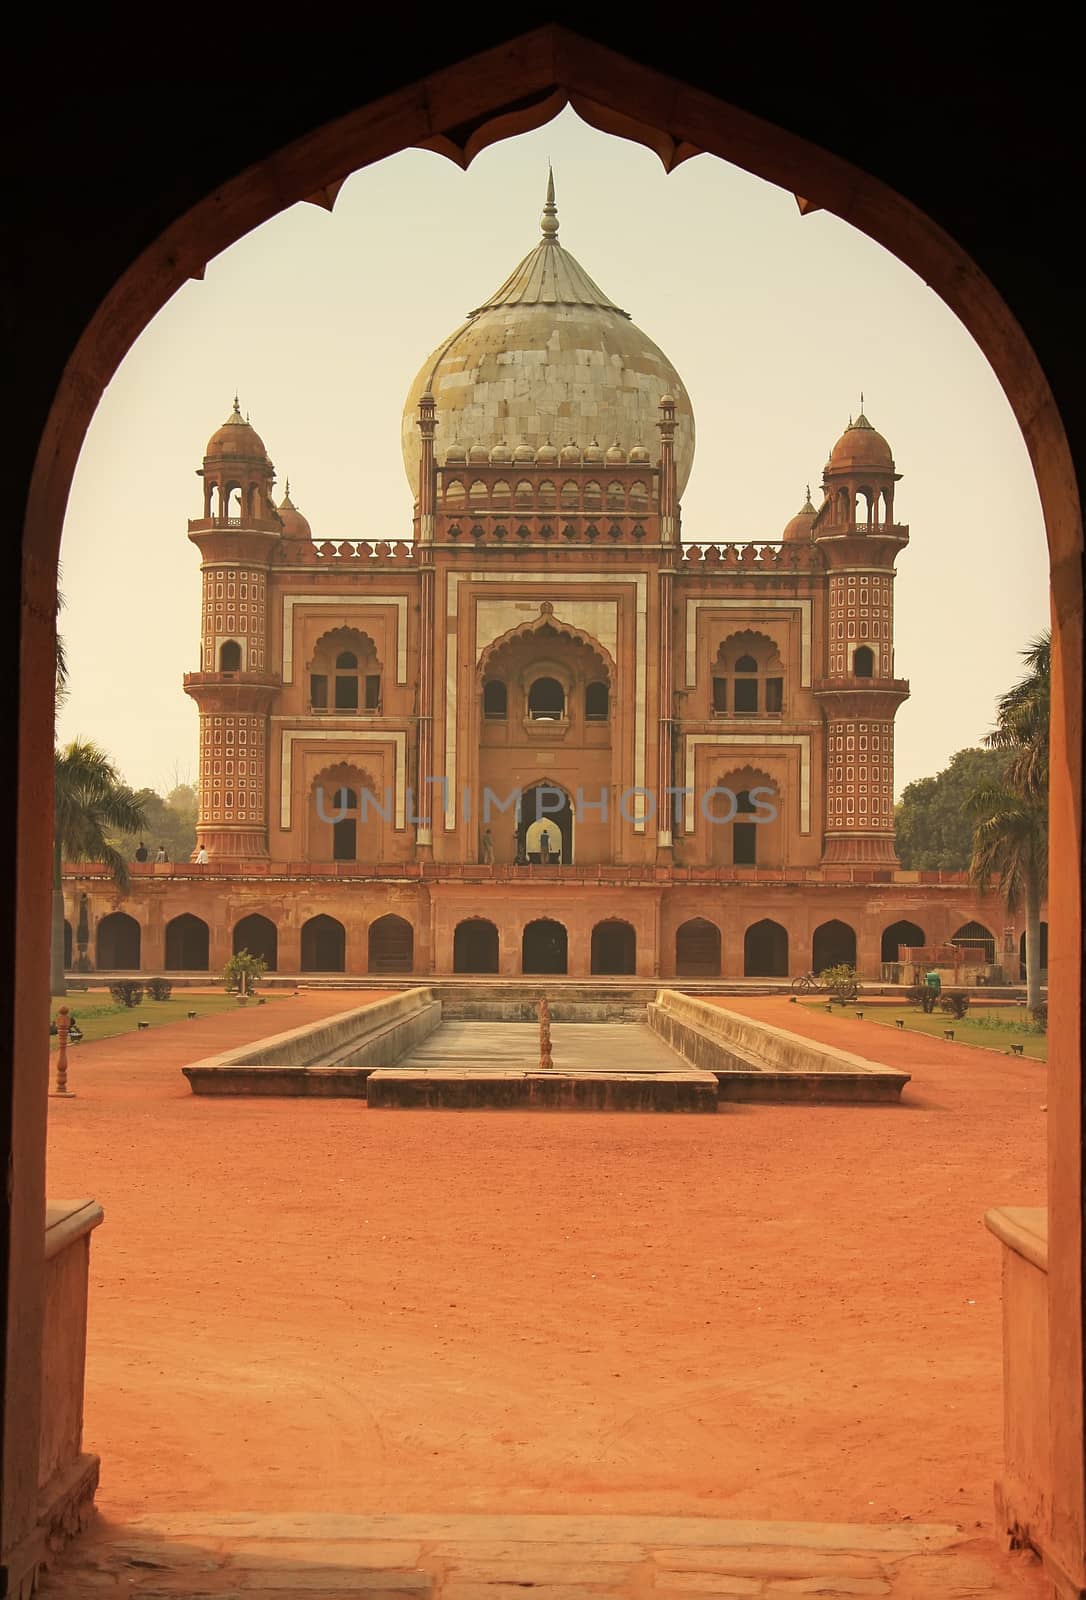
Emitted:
<point x="754" y="1061"/>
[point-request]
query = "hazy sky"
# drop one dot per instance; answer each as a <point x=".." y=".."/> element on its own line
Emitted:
<point x="775" y="321"/>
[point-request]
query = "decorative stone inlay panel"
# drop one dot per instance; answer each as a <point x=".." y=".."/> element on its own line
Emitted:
<point x="232" y="768"/>
<point x="860" y="774"/>
<point x="234" y="607"/>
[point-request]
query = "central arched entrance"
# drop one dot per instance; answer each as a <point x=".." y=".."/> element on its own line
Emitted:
<point x="544" y="948"/>
<point x="545" y="826"/>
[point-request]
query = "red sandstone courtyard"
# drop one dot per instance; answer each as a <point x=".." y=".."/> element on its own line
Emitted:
<point x="777" y="1312"/>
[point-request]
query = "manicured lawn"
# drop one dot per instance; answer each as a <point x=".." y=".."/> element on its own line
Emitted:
<point x="994" y="1027"/>
<point x="99" y="1018"/>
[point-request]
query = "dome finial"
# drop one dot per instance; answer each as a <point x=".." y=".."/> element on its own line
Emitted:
<point x="549" y="221"/>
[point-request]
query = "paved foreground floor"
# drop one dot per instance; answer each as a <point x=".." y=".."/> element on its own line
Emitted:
<point x="776" y="1312"/>
<point x="555" y="1558"/>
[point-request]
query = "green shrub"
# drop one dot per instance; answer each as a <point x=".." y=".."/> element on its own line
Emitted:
<point x="842" y="981"/>
<point x="243" y="972"/>
<point x="955" y="1005"/>
<point x="159" y="988"/>
<point x="927" y="999"/>
<point x="127" y="993"/>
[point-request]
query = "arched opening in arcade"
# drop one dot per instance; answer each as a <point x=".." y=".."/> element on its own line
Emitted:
<point x="1043" y="942"/>
<point x="614" y="948"/>
<point x="900" y="936"/>
<point x="475" y="946"/>
<point x="117" y="943"/>
<point x="260" y="937"/>
<point x="762" y="948"/>
<point x="324" y="945"/>
<point x="833" y="945"/>
<point x="391" y="945"/>
<point x="67" y="945"/>
<point x="697" y="949"/>
<point x="544" y="948"/>
<point x="976" y="943"/>
<point x="188" y="944"/>
<point x="765" y="950"/>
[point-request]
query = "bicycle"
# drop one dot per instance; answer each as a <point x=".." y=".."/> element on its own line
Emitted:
<point x="807" y="983"/>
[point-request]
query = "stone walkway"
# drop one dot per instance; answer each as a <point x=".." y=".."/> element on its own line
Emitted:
<point x="441" y="1557"/>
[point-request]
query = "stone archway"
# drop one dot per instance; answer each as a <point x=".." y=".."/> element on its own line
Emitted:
<point x="175" y="227"/>
<point x="544" y="948"/>
<point x="117" y="943"/>
<point x="614" y="948"/>
<point x="475" y="946"/>
<point x="188" y="943"/>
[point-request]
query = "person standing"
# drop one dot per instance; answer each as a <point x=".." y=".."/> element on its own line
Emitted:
<point x="141" y="851"/>
<point x="160" y="854"/>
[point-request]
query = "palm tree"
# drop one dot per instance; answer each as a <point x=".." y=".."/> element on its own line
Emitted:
<point x="1022" y="719"/>
<point x="1010" y="843"/>
<point x="1010" y="831"/>
<point x="90" y="802"/>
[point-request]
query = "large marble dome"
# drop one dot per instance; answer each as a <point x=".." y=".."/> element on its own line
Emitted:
<point x="548" y="359"/>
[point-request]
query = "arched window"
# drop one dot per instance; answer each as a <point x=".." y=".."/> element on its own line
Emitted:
<point x="863" y="662"/>
<point x="746" y="684"/>
<point x="495" y="700"/>
<point x="524" y="498"/>
<point x="230" y="656"/>
<point x="593" y="496"/>
<point x="597" y="698"/>
<point x="752" y="663"/>
<point x="477" y="495"/>
<point x="546" y="700"/>
<point x="501" y="496"/>
<point x="616" y="499"/>
<point x="639" y="498"/>
<point x="454" y="496"/>
<point x="744" y="834"/>
<point x="571" y="496"/>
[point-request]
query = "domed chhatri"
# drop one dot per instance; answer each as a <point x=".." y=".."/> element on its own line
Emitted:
<point x="861" y="446"/>
<point x="295" y="526"/>
<point x="548" y="356"/>
<point x="236" y="438"/>
<point x="800" y="526"/>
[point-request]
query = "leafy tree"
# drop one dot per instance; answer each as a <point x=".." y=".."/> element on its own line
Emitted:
<point x="934" y="829"/>
<point x="1010" y="820"/>
<point x="91" y="806"/>
<point x="169" y="820"/>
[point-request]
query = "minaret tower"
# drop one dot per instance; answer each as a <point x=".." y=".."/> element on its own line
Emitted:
<point x="859" y="694"/>
<point x="234" y="688"/>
